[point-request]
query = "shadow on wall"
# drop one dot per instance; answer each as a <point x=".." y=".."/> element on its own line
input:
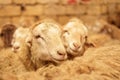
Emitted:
<point x="118" y="20"/>
<point x="7" y="33"/>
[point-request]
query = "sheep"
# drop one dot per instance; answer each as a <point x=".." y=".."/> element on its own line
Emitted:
<point x="101" y="63"/>
<point x="110" y="29"/>
<point x="97" y="40"/>
<point x="7" y="76"/>
<point x="24" y="76"/>
<point x="102" y="26"/>
<point x="97" y="63"/>
<point x="74" y="36"/>
<point x="6" y="34"/>
<point x="30" y="76"/>
<point x="21" y="48"/>
<point x="100" y="32"/>
<point x="46" y="43"/>
<point x="95" y="26"/>
<point x="17" y="60"/>
<point x="10" y="62"/>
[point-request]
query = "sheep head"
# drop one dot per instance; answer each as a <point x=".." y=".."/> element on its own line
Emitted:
<point x="74" y="36"/>
<point x="47" y="43"/>
<point x="21" y="39"/>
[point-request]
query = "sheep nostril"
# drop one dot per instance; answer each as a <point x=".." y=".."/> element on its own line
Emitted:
<point x="76" y="45"/>
<point x="61" y="54"/>
<point x="17" y="47"/>
<point x="30" y="43"/>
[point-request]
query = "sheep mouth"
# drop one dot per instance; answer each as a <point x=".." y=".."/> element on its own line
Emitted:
<point x="59" y="59"/>
<point x="63" y="58"/>
<point x="74" y="50"/>
<point x="14" y="50"/>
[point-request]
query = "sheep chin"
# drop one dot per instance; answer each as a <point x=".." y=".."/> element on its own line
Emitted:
<point x="15" y="51"/>
<point x="56" y="59"/>
<point x="74" y="52"/>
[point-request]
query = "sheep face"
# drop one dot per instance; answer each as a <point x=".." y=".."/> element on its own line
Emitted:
<point x="19" y="39"/>
<point x="74" y="34"/>
<point x="47" y="44"/>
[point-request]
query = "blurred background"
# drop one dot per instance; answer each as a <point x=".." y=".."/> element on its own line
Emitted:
<point x="99" y="57"/>
<point x="26" y="12"/>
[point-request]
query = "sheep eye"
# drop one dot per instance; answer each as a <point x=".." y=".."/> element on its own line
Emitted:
<point x="85" y="37"/>
<point x="38" y="36"/>
<point x="65" y="31"/>
<point x="1" y="35"/>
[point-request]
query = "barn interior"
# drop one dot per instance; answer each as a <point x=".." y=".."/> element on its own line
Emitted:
<point x="96" y="22"/>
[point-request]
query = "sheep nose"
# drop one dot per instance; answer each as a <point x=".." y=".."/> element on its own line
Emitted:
<point x="59" y="55"/>
<point x="62" y="54"/>
<point x="16" y="47"/>
<point x="76" y="45"/>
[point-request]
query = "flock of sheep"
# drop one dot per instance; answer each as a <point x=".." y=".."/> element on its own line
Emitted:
<point x="47" y="43"/>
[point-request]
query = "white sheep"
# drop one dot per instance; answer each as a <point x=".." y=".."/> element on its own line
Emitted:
<point x="46" y="43"/>
<point x="74" y="36"/>
<point x="18" y="58"/>
<point x="21" y="48"/>
<point x="10" y="62"/>
<point x="101" y="63"/>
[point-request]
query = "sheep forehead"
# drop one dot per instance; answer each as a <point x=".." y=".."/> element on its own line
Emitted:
<point x="22" y="30"/>
<point x="69" y="25"/>
<point x="50" y="26"/>
<point x="54" y="29"/>
<point x="76" y="27"/>
<point x="21" y="33"/>
<point x="38" y="29"/>
<point x="46" y="27"/>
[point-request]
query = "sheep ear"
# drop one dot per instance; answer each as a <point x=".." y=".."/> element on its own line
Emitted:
<point x="87" y="44"/>
<point x="29" y="41"/>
